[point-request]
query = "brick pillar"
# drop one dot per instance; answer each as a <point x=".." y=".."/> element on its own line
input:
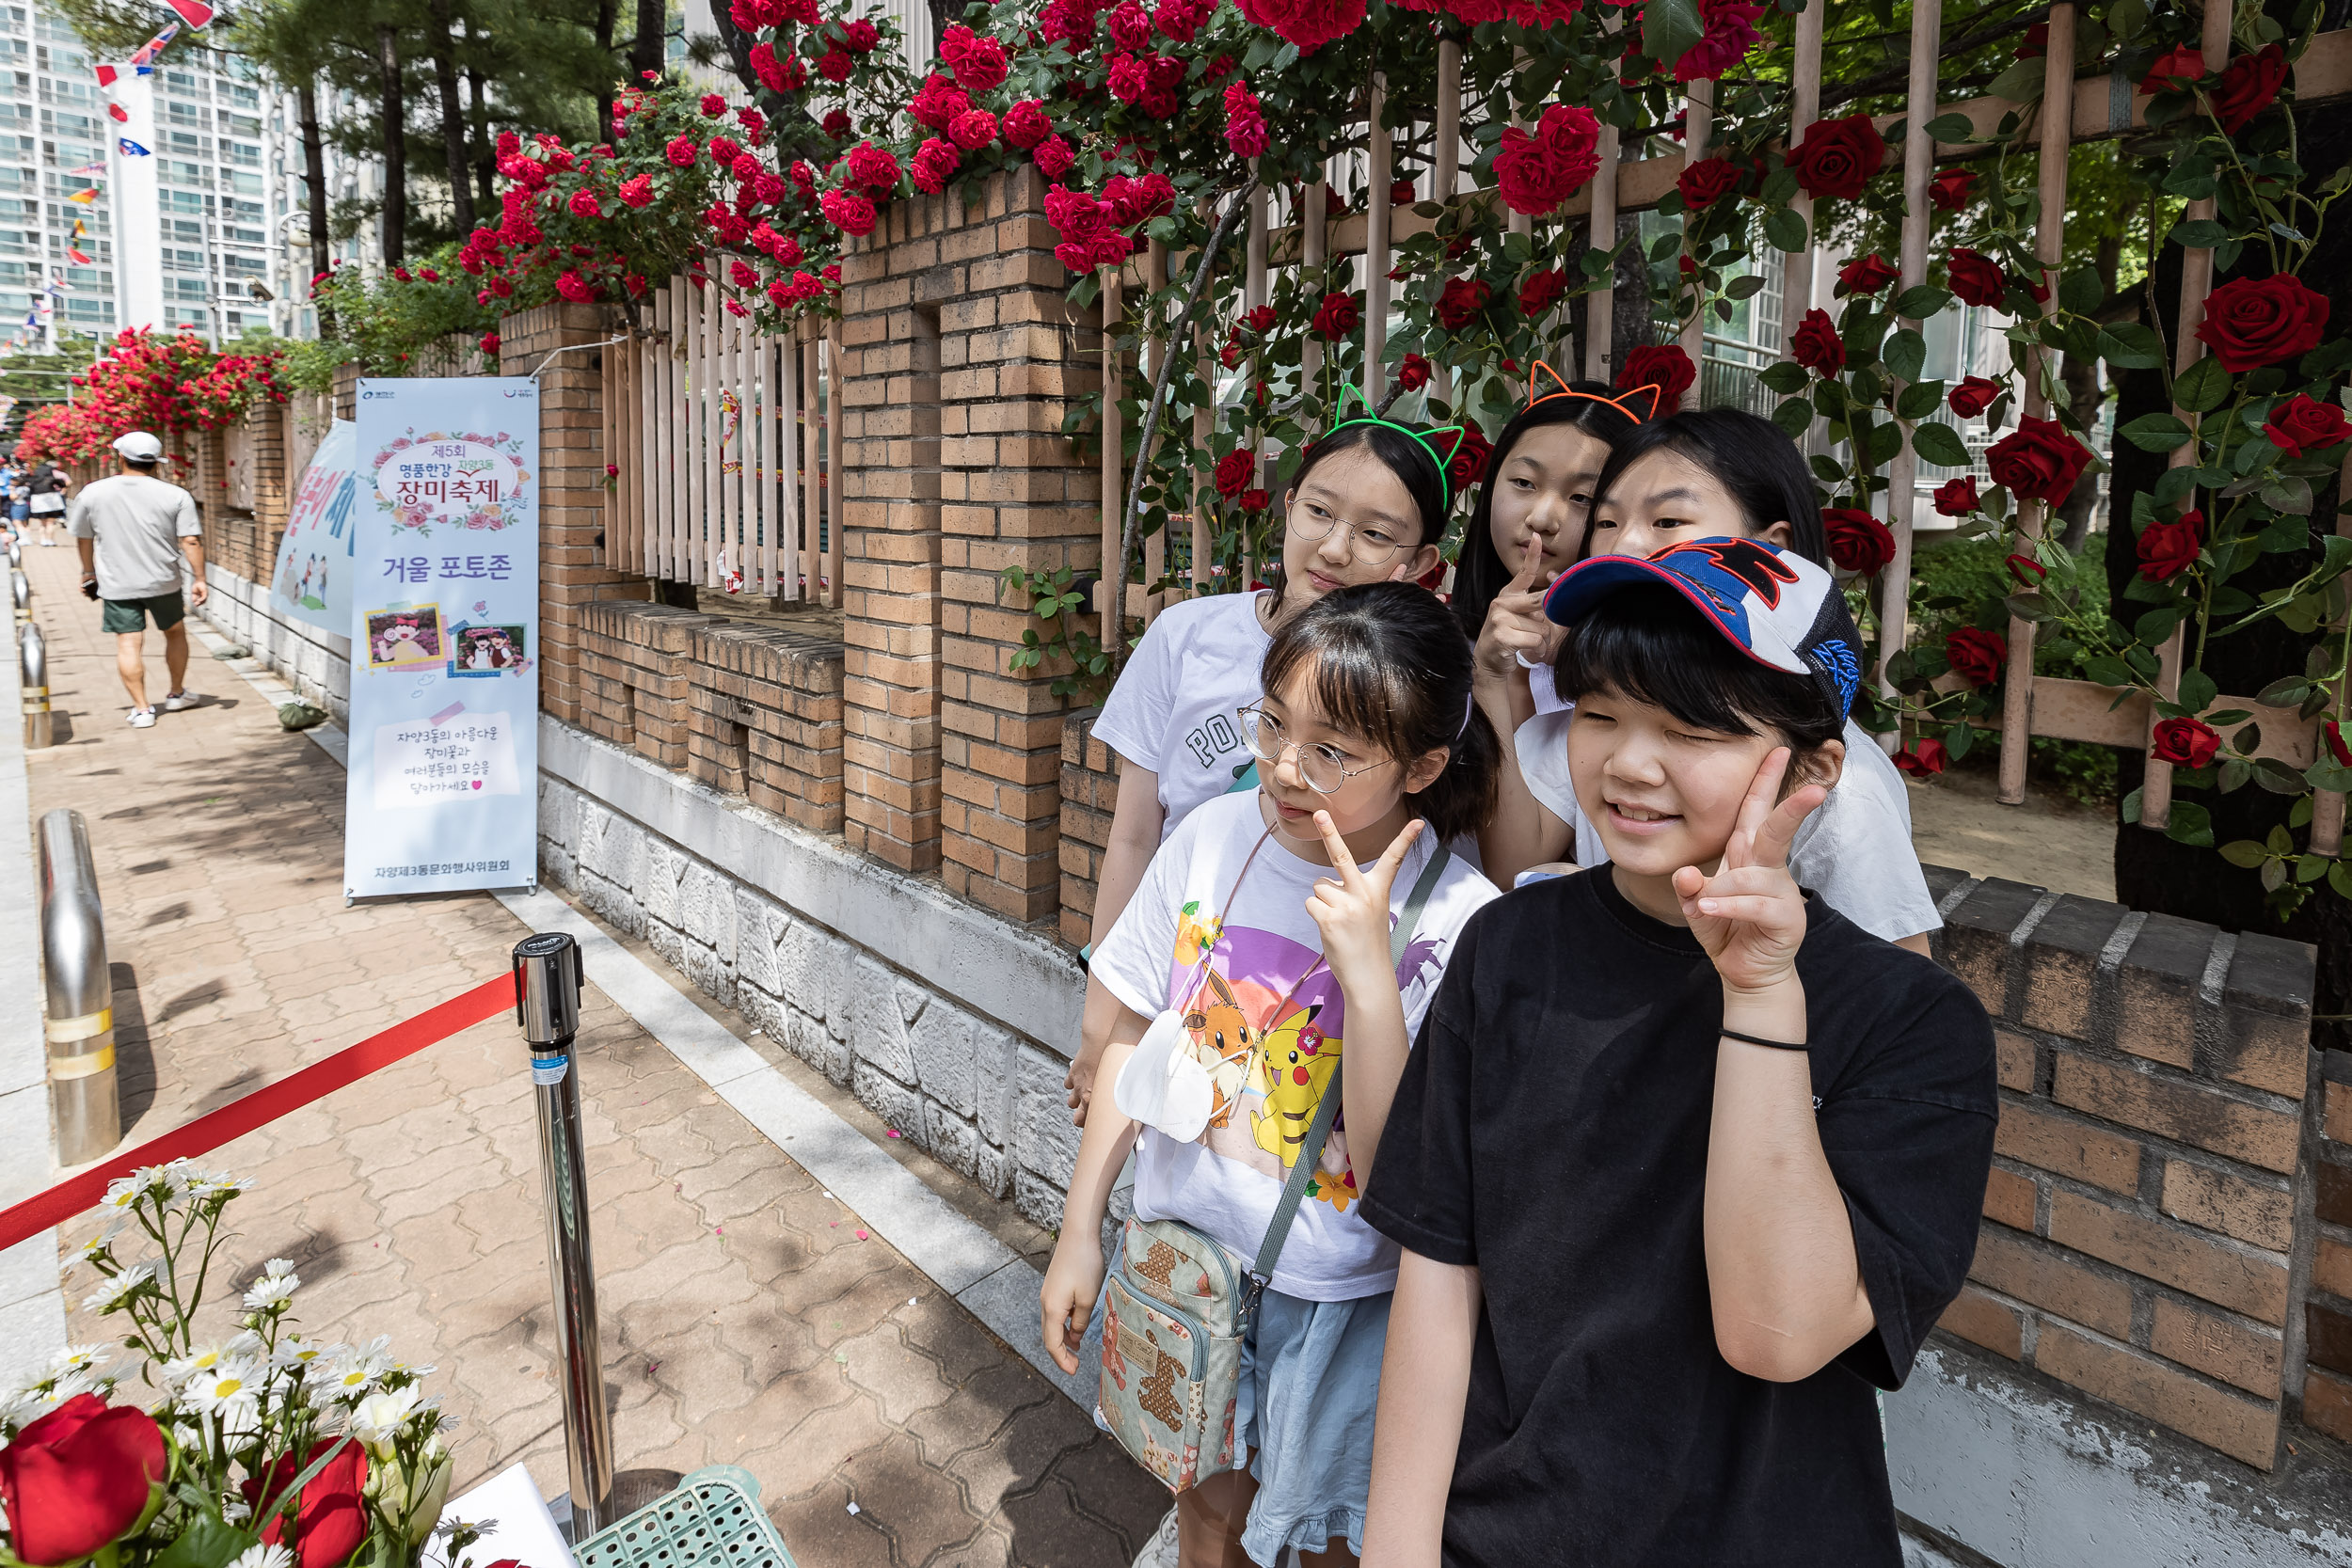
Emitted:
<point x="273" y="487"/>
<point x="571" y="485"/>
<point x="888" y="404"/>
<point x="1090" y="796"/>
<point x="2140" y="1233"/>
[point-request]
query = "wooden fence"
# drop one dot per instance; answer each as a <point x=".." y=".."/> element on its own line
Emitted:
<point x="2097" y="107"/>
<point x="715" y="430"/>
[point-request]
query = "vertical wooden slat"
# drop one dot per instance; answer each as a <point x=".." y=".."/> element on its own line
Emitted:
<point x="1111" y="597"/>
<point x="1313" y="239"/>
<point x="607" y="433"/>
<point x="641" y="367"/>
<point x="832" y="464"/>
<point x="707" y="537"/>
<point x="783" y="444"/>
<point x="2049" y="237"/>
<point x="1804" y="107"/>
<point x="1600" y="234"/>
<point x="690" y="384"/>
<point x="771" y="509"/>
<point x="1902" y="474"/>
<point x="670" y="415"/>
<point x="1156" y="349"/>
<point x="1204" y="430"/>
<point x="1520" y="223"/>
<point x="1446" y="176"/>
<point x="812" y="511"/>
<point x="1378" y="214"/>
<point x="724" y="515"/>
<point x="1253" y="293"/>
<point x="2156" y="798"/>
<point x="2328" y="804"/>
<point x="1698" y="129"/>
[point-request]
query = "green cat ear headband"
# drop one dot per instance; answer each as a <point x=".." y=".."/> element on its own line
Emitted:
<point x="1425" y="440"/>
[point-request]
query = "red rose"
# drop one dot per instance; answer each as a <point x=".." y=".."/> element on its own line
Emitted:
<point x="1838" y="156"/>
<point x="1025" y="124"/>
<point x="973" y="130"/>
<point x="1255" y="500"/>
<point x="2300" y="425"/>
<point x="1949" y="193"/>
<point x="1461" y="302"/>
<point x="1259" y="318"/>
<point x="1928" y="757"/>
<point x="837" y="124"/>
<point x="1973" y="396"/>
<point x="2027" y="571"/>
<point x="1864" y="276"/>
<point x="1053" y="157"/>
<point x="1413" y="374"/>
<point x="1309" y="23"/>
<point x="1467" y="464"/>
<point x="978" y="62"/>
<point x="2184" y="742"/>
<point x="1401" y="192"/>
<point x="2038" y="461"/>
<point x="713" y="106"/>
<point x="682" y="152"/>
<point x="1978" y="279"/>
<point x="2176" y="72"/>
<point x="849" y="212"/>
<point x="1858" y="543"/>
<point x="1707" y="181"/>
<point x="331" y="1519"/>
<point x="873" y="166"/>
<point x="2332" y="733"/>
<point x="1539" y="172"/>
<point x="1957" y="498"/>
<point x="489" y="342"/>
<point x="1977" y="655"/>
<point x="2169" y="548"/>
<point x="1663" y="365"/>
<point x="78" y="1478"/>
<point x="1817" y="345"/>
<point x="2036" y="44"/>
<point x="2246" y="86"/>
<point x="1337" y="316"/>
<point x="1245" y="124"/>
<point x="2253" y="321"/>
<point x="1540" y="292"/>
<point x="1730" y="34"/>
<point x="1233" y="471"/>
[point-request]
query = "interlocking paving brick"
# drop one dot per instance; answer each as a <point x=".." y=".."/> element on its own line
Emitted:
<point x="743" y="1320"/>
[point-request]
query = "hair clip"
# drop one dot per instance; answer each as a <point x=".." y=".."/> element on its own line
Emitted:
<point x="1445" y="484"/>
<point x="1565" y="390"/>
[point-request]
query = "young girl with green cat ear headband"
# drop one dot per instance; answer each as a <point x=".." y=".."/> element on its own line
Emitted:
<point x="1368" y="503"/>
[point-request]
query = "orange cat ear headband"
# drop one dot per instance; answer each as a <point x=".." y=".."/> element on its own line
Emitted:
<point x="1562" y="390"/>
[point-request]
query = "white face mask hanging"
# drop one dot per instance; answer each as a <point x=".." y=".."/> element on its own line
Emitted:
<point x="1162" y="1084"/>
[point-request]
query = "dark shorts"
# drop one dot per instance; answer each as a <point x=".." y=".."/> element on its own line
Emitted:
<point x="130" y="615"/>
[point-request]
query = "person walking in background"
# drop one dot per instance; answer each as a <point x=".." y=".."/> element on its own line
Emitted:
<point x="48" y="500"/>
<point x="132" y="529"/>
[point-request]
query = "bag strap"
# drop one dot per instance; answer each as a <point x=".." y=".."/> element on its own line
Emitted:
<point x="1294" y="1190"/>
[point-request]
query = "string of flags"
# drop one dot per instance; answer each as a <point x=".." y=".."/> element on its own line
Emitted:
<point x="131" y="149"/>
<point x="74" y="247"/>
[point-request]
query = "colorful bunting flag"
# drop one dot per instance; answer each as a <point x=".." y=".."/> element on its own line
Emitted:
<point x="79" y="259"/>
<point x="131" y="149"/>
<point x="85" y="198"/>
<point x="194" y="12"/>
<point x="154" y="46"/>
<point x="118" y="113"/>
<point x="89" y="169"/>
<point x="106" y="74"/>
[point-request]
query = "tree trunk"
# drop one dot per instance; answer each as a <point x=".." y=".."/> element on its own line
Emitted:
<point x="452" y="115"/>
<point x="650" y="48"/>
<point x="395" y="147"/>
<point x="484" y="149"/>
<point x="314" y="179"/>
<point x="2080" y="374"/>
<point x="607" y="15"/>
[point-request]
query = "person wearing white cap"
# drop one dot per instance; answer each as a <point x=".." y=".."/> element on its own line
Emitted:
<point x="132" y="529"/>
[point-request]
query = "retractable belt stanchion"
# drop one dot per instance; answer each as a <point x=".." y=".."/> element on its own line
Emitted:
<point x="32" y="658"/>
<point x="81" y="1023"/>
<point x="548" y="977"/>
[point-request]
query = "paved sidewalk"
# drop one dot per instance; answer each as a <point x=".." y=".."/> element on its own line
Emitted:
<point x="746" y="1320"/>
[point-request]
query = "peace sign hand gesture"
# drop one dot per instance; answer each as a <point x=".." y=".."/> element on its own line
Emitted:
<point x="1516" y="622"/>
<point x="1353" y="911"/>
<point x="1749" y="915"/>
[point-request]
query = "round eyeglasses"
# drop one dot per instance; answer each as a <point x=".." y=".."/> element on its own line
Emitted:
<point x="1368" y="544"/>
<point x="1324" y="767"/>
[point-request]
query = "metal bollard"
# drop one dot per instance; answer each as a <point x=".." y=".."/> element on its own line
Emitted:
<point x="16" y="552"/>
<point x="81" y="1026"/>
<point x="21" y="587"/>
<point x="548" y="976"/>
<point x="32" y="655"/>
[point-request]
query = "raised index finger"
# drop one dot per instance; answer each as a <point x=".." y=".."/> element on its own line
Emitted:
<point x="1757" y="808"/>
<point x="1531" y="567"/>
<point x="1342" y="858"/>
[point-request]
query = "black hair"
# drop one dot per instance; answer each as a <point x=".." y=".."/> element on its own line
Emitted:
<point x="1391" y="666"/>
<point x="1480" y="571"/>
<point x="1403" y="456"/>
<point x="1646" y="641"/>
<point x="1748" y="456"/>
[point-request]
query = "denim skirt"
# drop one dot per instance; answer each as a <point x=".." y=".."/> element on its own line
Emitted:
<point x="1310" y="1386"/>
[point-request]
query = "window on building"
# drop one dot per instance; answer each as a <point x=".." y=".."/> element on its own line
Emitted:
<point x="242" y="236"/>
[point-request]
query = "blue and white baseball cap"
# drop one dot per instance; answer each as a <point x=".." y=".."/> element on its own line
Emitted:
<point x="1774" y="605"/>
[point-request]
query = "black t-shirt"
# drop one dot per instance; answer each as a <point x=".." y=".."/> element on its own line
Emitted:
<point x="1552" y="1130"/>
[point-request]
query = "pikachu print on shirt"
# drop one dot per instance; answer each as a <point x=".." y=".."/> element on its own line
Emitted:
<point x="1267" y="1022"/>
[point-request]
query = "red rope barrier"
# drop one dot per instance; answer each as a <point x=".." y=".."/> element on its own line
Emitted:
<point x="209" y="1131"/>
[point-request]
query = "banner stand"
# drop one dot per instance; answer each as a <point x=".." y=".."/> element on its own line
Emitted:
<point x="443" y="790"/>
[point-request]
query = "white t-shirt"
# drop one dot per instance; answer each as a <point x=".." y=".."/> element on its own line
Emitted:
<point x="1854" y="850"/>
<point x="1172" y="710"/>
<point x="137" y="521"/>
<point x="1259" y="945"/>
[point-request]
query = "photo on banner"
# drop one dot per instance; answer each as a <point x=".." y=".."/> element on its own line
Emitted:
<point x="320" y="548"/>
<point x="442" y="602"/>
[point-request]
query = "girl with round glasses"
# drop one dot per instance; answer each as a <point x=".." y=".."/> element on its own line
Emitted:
<point x="1368" y="504"/>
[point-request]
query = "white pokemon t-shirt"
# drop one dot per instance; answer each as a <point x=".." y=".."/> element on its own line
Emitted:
<point x="1173" y="709"/>
<point x="1267" y="1021"/>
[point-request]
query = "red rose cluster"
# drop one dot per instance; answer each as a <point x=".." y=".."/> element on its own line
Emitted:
<point x="1539" y="172"/>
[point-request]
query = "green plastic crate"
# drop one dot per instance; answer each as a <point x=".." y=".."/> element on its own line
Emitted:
<point x="711" y="1520"/>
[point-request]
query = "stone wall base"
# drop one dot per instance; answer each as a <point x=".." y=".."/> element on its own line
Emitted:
<point x="950" y="1024"/>
<point x="315" y="662"/>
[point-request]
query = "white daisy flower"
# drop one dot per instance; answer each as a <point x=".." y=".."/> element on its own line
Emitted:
<point x="295" y="1352"/>
<point x="78" y="1358"/>
<point x="230" y="1389"/>
<point x="199" y="1360"/>
<point x="378" y="1418"/>
<point x="119" y="1288"/>
<point x="264" y="1556"/>
<point x="272" y="1289"/>
<point x="353" y="1379"/>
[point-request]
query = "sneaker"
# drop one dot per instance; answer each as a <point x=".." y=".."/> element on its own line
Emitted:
<point x="178" y="701"/>
<point x="142" y="717"/>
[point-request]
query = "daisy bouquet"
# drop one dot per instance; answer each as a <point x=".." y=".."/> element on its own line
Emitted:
<point x="263" y="1450"/>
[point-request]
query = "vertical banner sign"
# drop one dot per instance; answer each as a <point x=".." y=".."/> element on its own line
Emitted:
<point x="443" y="792"/>
<point x="320" y="548"/>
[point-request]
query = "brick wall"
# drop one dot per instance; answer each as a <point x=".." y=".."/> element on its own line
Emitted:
<point x="1090" y="793"/>
<point x="961" y="355"/>
<point x="2140" y="1229"/>
<point x="2327" y="1310"/>
<point x="633" y="675"/>
<point x="764" y="719"/>
<point x="572" y="572"/>
<point x="267" y="483"/>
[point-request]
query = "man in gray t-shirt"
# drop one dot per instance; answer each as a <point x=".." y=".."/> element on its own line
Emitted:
<point x="132" y="529"/>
